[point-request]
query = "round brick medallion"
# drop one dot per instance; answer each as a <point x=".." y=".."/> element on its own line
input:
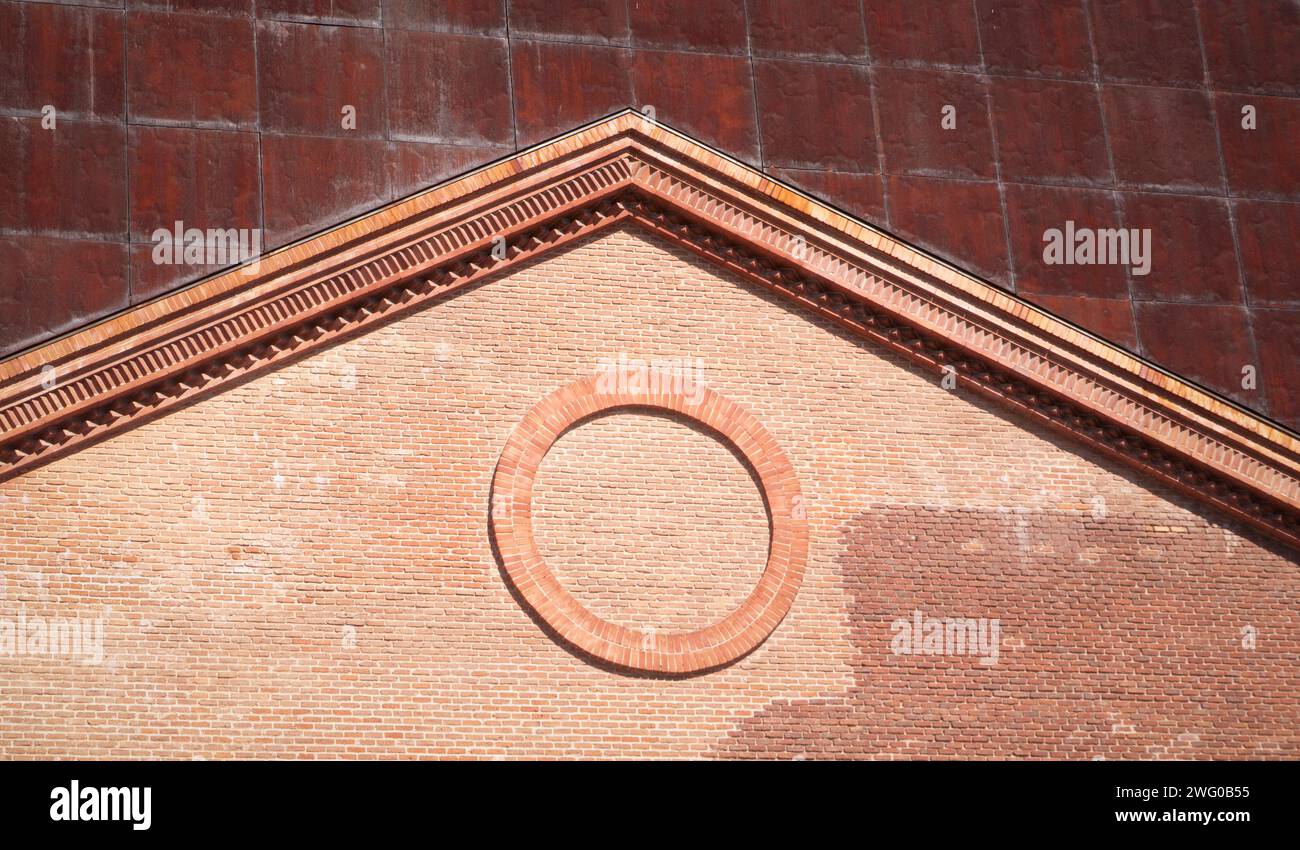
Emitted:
<point x="665" y="652"/>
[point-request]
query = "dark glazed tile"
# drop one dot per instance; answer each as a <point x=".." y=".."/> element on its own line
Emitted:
<point x="714" y="25"/>
<point x="1261" y="162"/>
<point x="202" y="178"/>
<point x="710" y="97"/>
<point x="67" y="57"/>
<point x="444" y="87"/>
<point x="816" y="115"/>
<point x="559" y="86"/>
<point x="1162" y="138"/>
<point x="829" y="29"/>
<point x="1278" y="335"/>
<point x="1252" y="46"/>
<point x="302" y="93"/>
<point x="1147" y="41"/>
<point x="1034" y="210"/>
<point x="1269" y="236"/>
<point x="1109" y="318"/>
<point x="580" y="20"/>
<point x="860" y="195"/>
<point x="298" y="202"/>
<point x="49" y="286"/>
<point x="355" y="12"/>
<point x="479" y="17"/>
<point x="217" y="82"/>
<point x="1041" y="37"/>
<point x="1209" y="344"/>
<point x="937" y="33"/>
<point x="960" y="220"/>
<point x="1192" y="253"/>
<point x="1049" y="131"/>
<point x="912" y="109"/>
<point x="70" y="180"/>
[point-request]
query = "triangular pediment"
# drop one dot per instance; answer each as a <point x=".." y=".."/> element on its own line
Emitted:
<point x="106" y="377"/>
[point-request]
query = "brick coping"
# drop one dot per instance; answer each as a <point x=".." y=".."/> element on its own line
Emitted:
<point x="721" y="643"/>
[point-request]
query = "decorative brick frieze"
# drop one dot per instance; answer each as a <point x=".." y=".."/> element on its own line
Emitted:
<point x="674" y="653"/>
<point x="90" y="384"/>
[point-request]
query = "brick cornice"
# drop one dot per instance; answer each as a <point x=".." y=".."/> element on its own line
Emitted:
<point x="627" y="168"/>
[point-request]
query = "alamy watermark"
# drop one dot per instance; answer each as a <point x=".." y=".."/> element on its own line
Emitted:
<point x="1086" y="246"/>
<point x="675" y="375"/>
<point x="922" y="635"/>
<point x="76" y="638"/>
<point x="212" y="247"/>
<point x="76" y="802"/>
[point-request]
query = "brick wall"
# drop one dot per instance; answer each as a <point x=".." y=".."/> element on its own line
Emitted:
<point x="226" y="113"/>
<point x="626" y="504"/>
<point x="301" y="565"/>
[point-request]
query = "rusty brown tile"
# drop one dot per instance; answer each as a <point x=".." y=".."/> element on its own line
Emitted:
<point x="67" y="57"/>
<point x="1049" y="131"/>
<point x="298" y="93"/>
<point x="816" y="115"/>
<point x="202" y="178"/>
<point x="1162" y="138"/>
<point x="48" y="286"/>
<point x="69" y="180"/>
<point x="710" y="97"/>
<point x="919" y="133"/>
<point x="216" y="84"/>
<point x="829" y="29"/>
<point x="559" y="86"/>
<point x="1193" y="257"/>
<point x="711" y="25"/>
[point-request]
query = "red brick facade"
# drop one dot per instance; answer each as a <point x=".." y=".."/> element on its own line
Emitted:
<point x="302" y="565"/>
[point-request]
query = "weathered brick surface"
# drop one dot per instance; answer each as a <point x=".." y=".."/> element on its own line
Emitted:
<point x="301" y="566"/>
<point x="620" y="497"/>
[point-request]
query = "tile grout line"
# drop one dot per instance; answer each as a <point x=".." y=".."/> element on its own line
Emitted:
<point x="875" y="120"/>
<point x="261" y="160"/>
<point x="1117" y="203"/>
<point x="753" y="90"/>
<point x="510" y="76"/>
<point x="126" y="147"/>
<point x="1261" y="388"/>
<point x="997" y="152"/>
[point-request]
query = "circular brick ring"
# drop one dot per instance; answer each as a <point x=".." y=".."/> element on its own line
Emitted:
<point x="668" y="652"/>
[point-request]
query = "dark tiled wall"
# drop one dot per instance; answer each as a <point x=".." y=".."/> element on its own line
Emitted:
<point x="227" y="113"/>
